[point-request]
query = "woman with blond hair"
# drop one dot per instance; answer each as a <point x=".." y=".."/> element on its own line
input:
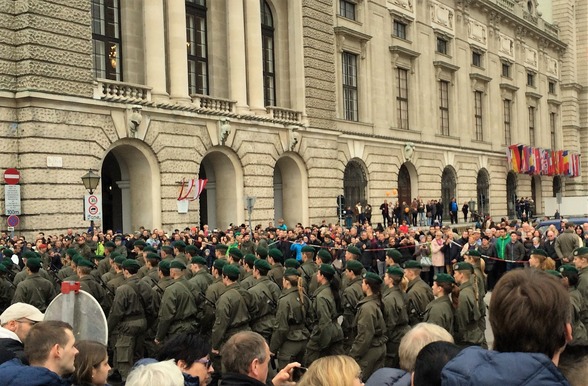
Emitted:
<point x="340" y="370"/>
<point x="539" y="259"/>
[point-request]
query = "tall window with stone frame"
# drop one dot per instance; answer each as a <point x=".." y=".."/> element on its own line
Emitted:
<point x="267" y="45"/>
<point x="402" y="98"/>
<point x="197" y="45"/>
<point x="552" y="128"/>
<point x="350" y="96"/>
<point x="507" y="121"/>
<point x="443" y="107"/>
<point x="106" y="39"/>
<point x="347" y="9"/>
<point x="532" y="126"/>
<point x="478" y="115"/>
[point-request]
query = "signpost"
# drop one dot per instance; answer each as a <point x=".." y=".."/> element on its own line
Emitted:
<point x="11" y="176"/>
<point x="92" y="207"/>
<point x="249" y="204"/>
<point x="12" y="200"/>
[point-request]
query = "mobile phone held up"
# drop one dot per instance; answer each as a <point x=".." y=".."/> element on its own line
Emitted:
<point x="297" y="373"/>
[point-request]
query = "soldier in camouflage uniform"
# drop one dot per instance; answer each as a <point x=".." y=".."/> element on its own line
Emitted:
<point x="119" y="277"/>
<point x="151" y="274"/>
<point x="82" y="248"/>
<point x="396" y="315"/>
<point x="201" y="279"/>
<point x="91" y="286"/>
<point x="419" y="293"/>
<point x="266" y="294"/>
<point x="308" y="267"/>
<point x="248" y="281"/>
<point x="275" y="258"/>
<point x="22" y="275"/>
<point x="105" y="264"/>
<point x="235" y="257"/>
<point x="322" y="257"/>
<point x="120" y="248"/>
<point x="351" y="296"/>
<point x="467" y="315"/>
<point x="6" y="288"/>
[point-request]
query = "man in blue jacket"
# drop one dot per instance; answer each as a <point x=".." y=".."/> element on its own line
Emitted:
<point x="529" y="315"/>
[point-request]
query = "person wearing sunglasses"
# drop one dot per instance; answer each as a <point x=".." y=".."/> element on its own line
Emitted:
<point x="16" y="322"/>
<point x="190" y="351"/>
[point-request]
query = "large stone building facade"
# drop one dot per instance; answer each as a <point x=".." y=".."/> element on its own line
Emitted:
<point x="290" y="102"/>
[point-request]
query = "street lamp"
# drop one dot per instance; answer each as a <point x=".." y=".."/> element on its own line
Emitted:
<point x="91" y="181"/>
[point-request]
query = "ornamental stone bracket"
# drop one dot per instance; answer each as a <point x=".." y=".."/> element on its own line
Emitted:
<point x="132" y="122"/>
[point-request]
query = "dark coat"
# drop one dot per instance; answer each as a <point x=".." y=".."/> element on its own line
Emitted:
<point x="14" y="373"/>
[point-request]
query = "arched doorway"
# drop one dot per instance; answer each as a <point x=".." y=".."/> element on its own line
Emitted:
<point x="556" y="185"/>
<point x="511" y="193"/>
<point x="448" y="187"/>
<point x="290" y="191"/>
<point x="221" y="202"/>
<point x="483" y="191"/>
<point x="354" y="183"/>
<point x="536" y="194"/>
<point x="131" y="187"/>
<point x="404" y="185"/>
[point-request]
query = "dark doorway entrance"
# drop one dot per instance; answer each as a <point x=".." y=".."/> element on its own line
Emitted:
<point x="203" y="200"/>
<point x="483" y="192"/>
<point x="354" y="183"/>
<point x="404" y="186"/>
<point x="511" y="194"/>
<point x="448" y="183"/>
<point x="111" y="194"/>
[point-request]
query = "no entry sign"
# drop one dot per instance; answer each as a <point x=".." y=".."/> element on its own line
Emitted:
<point x="11" y="176"/>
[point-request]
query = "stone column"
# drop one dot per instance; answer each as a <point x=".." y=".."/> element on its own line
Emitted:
<point x="236" y="57"/>
<point x="296" y="56"/>
<point x="125" y="190"/>
<point x="154" y="48"/>
<point x="254" y="55"/>
<point x="178" y="55"/>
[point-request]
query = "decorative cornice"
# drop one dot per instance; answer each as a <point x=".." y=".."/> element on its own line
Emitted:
<point x="509" y="87"/>
<point x="352" y="33"/>
<point x="480" y="77"/>
<point x="404" y="52"/>
<point x="534" y="95"/>
<point x="445" y="65"/>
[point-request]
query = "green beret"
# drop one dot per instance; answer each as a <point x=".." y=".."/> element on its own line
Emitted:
<point x="582" y="251"/>
<point x="325" y="255"/>
<point x="114" y="255"/>
<point x="221" y="247"/>
<point x="149" y="248"/>
<point x="164" y="267"/>
<point x="29" y="255"/>
<point x="192" y="250"/>
<point x="554" y="273"/>
<point x="275" y="253"/>
<point x="98" y="257"/>
<point x="178" y="264"/>
<point x="139" y="243"/>
<point x="167" y="249"/>
<point x="3" y="268"/>
<point x="413" y="264"/>
<point x="568" y="268"/>
<point x="198" y="260"/>
<point x="261" y="252"/>
<point x="118" y="238"/>
<point x="291" y="272"/>
<point x="8" y="252"/>
<point x="327" y="268"/>
<point x="260" y="263"/>
<point x="354" y="265"/>
<point x="152" y="255"/>
<point x="76" y="259"/>
<point x="231" y="271"/>
<point x="219" y="264"/>
<point x="473" y="252"/>
<point x="307" y="248"/>
<point x="131" y="263"/>
<point x="34" y="263"/>
<point x="119" y="260"/>
<point x="179" y="244"/>
<point x="373" y="277"/>
<point x="539" y="252"/>
<point x="354" y="250"/>
<point x="394" y="253"/>
<point x="85" y="263"/>
<point x="443" y="278"/>
<point x="236" y="254"/>
<point x="70" y="252"/>
<point x="250" y="258"/>
<point x="395" y="271"/>
<point x="291" y="263"/>
<point x="7" y="263"/>
<point x="109" y="244"/>
<point x="463" y="266"/>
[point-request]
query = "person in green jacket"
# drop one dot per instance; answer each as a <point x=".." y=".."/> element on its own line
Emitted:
<point x="581" y="264"/>
<point x="569" y="275"/>
<point x="440" y="311"/>
<point x="419" y="293"/>
<point x="369" y="346"/>
<point x="351" y="296"/>
<point x="34" y="289"/>
<point x="396" y="313"/>
<point x="326" y="337"/>
<point x="201" y="279"/>
<point x="290" y="334"/>
<point x="266" y="294"/>
<point x="467" y="330"/>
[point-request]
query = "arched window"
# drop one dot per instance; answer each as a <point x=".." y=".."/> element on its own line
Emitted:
<point x="448" y="187"/>
<point x="511" y="193"/>
<point x="197" y="45"/>
<point x="354" y="183"/>
<point x="483" y="190"/>
<point x="267" y="42"/>
<point x="556" y="185"/>
<point x="106" y="39"/>
<point x="404" y="185"/>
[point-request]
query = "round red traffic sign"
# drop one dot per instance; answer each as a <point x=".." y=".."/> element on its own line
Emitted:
<point x="11" y="176"/>
<point x="93" y="210"/>
<point x="12" y="221"/>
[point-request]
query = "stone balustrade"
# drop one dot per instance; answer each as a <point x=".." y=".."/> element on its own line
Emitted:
<point x="110" y="90"/>
<point x="283" y="114"/>
<point x="213" y="104"/>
